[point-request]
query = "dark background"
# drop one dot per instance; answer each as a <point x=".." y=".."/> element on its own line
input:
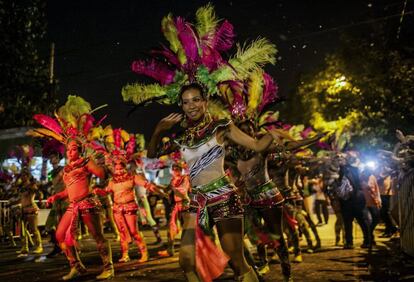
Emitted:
<point x="96" y="41"/>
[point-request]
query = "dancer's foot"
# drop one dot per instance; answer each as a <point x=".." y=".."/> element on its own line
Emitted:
<point x="124" y="258"/>
<point x="106" y="274"/>
<point x="74" y="273"/>
<point x="298" y="259"/>
<point x="38" y="250"/>
<point x="144" y="256"/>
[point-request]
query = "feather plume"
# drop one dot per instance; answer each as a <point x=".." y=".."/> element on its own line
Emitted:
<point x="108" y="131"/>
<point x="206" y="20"/>
<point x="97" y="133"/>
<point x="211" y="58"/>
<point x="124" y="135"/>
<point x="73" y="109"/>
<point x="170" y="33"/>
<point x="130" y="148"/>
<point x="140" y="141"/>
<point x="44" y="132"/>
<point x="117" y="138"/>
<point x="254" y="91"/>
<point x="268" y="117"/>
<point x="154" y="69"/>
<point x="223" y="39"/>
<point x="253" y="56"/>
<point x="168" y="55"/>
<point x="87" y="121"/>
<point x="269" y="91"/>
<point x="141" y="93"/>
<point x="224" y="73"/>
<point x="218" y="110"/>
<point x="48" y="122"/>
<point x="188" y="40"/>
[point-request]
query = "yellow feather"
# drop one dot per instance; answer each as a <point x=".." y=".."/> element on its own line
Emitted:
<point x="256" y="55"/>
<point x="218" y="110"/>
<point x="255" y="89"/>
<point x="124" y="135"/>
<point x="43" y="132"/>
<point x="170" y="33"/>
<point x="108" y="130"/>
<point x="206" y="20"/>
<point x="140" y="93"/>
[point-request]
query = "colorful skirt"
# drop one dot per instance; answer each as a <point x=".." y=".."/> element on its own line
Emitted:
<point x="265" y="195"/>
<point x="215" y="201"/>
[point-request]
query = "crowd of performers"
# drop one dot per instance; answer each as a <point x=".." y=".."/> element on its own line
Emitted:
<point x="238" y="171"/>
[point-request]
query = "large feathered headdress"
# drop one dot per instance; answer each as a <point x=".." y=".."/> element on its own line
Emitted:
<point x="73" y="120"/>
<point x="116" y="144"/>
<point x="195" y="54"/>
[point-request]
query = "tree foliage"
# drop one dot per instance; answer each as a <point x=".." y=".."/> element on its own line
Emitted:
<point x="365" y="88"/>
<point x="24" y="80"/>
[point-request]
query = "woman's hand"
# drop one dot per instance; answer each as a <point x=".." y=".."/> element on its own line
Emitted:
<point x="168" y="122"/>
<point x="50" y="201"/>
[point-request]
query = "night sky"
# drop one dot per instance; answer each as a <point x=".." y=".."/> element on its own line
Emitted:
<point x="96" y="41"/>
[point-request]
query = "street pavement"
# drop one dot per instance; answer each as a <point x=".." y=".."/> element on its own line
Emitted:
<point x="331" y="263"/>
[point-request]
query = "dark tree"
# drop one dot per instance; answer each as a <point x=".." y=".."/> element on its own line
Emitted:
<point x="24" y="87"/>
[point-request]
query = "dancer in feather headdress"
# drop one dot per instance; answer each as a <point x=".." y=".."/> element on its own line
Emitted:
<point x="72" y="127"/>
<point x="119" y="149"/>
<point x="192" y="70"/>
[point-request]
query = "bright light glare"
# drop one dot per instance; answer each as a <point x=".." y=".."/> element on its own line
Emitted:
<point x="371" y="164"/>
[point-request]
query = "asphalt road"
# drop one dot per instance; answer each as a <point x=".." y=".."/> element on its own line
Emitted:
<point x="331" y="263"/>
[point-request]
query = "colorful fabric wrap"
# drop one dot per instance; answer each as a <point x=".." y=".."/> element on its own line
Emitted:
<point x="265" y="195"/>
<point x="126" y="208"/>
<point x="87" y="205"/>
<point x="215" y="201"/>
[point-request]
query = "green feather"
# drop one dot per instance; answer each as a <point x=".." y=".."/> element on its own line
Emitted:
<point x="140" y="93"/>
<point x="253" y="56"/>
<point x="217" y="109"/>
<point x="223" y="73"/>
<point x="74" y="108"/>
<point x="206" y="20"/>
<point x="170" y="33"/>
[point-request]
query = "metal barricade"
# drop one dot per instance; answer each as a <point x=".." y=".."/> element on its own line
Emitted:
<point x="8" y="223"/>
<point x="406" y="212"/>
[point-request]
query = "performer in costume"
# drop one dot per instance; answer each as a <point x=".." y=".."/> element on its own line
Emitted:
<point x="194" y="62"/>
<point x="54" y="150"/>
<point x="27" y="193"/>
<point x="121" y="185"/>
<point x="72" y="127"/>
<point x="27" y="189"/>
<point x="181" y="186"/>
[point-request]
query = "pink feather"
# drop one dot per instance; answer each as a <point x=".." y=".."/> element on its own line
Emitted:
<point x="324" y="145"/>
<point x="131" y="145"/>
<point x="71" y="131"/>
<point x="188" y="40"/>
<point x="117" y="137"/>
<point x="88" y="123"/>
<point x="152" y="68"/>
<point x="101" y="120"/>
<point x="305" y="133"/>
<point x="269" y="91"/>
<point x="211" y="58"/>
<point x="223" y="38"/>
<point x="168" y="55"/>
<point x="97" y="147"/>
<point x="48" y="122"/>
